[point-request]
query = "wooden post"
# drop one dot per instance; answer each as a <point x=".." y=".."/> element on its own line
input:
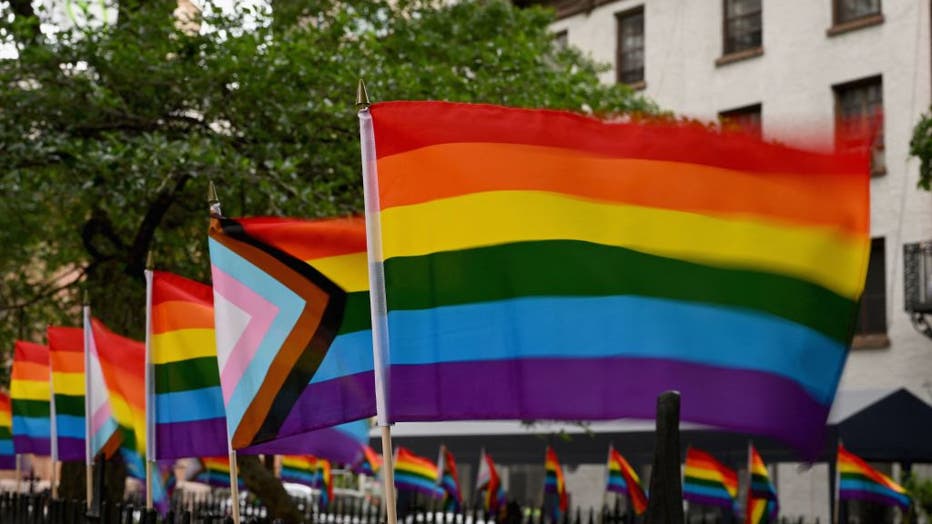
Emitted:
<point x="388" y="476"/>
<point x="234" y="486"/>
<point x="666" y="491"/>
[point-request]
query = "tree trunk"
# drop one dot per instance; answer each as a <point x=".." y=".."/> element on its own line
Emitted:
<point x="262" y="483"/>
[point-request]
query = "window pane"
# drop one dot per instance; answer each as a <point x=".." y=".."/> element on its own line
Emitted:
<point x="859" y="119"/>
<point x="872" y="317"/>
<point x="630" y="56"/>
<point x="854" y="9"/>
<point x="746" y="119"/>
<point x="743" y="25"/>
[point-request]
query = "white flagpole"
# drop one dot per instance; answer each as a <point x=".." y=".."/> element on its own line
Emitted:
<point x="88" y="390"/>
<point x="377" y="302"/>
<point x="149" y="386"/>
<point x="53" y="434"/>
<point x="213" y="203"/>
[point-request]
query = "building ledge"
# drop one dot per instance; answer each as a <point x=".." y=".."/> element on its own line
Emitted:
<point x="738" y="56"/>
<point x="854" y="25"/>
<point x="871" y="341"/>
<point x="637" y="86"/>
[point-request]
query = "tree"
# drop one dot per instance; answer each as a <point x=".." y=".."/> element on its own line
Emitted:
<point x="920" y="146"/>
<point x="109" y="132"/>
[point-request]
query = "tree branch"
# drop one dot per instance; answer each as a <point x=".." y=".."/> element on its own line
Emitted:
<point x="49" y="292"/>
<point x="138" y="251"/>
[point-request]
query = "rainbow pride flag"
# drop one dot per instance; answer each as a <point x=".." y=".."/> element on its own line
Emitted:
<point x="300" y="469"/>
<point x="622" y="479"/>
<point x="708" y="481"/>
<point x="106" y="436"/>
<point x="859" y="481"/>
<point x="416" y="474"/>
<point x="215" y="471"/>
<point x="30" y="397"/>
<point x="369" y="464"/>
<point x="762" y="505"/>
<point x="554" y="483"/>
<point x="448" y="479"/>
<point x="66" y="356"/>
<point x="123" y="365"/>
<point x="189" y="419"/>
<point x="505" y="269"/>
<point x="7" y="455"/>
<point x="489" y="485"/>
<point x="294" y="345"/>
<point x="326" y="483"/>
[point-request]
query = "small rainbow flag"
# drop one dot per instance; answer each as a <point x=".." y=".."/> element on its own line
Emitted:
<point x="762" y="505"/>
<point x="624" y="480"/>
<point x="515" y="250"/>
<point x="30" y="397"/>
<point x="7" y="455"/>
<point x="554" y="483"/>
<point x="489" y="483"/>
<point x="415" y="473"/>
<point x="189" y="419"/>
<point x="294" y="345"/>
<point x="708" y="481"/>
<point x="66" y="355"/>
<point x="326" y="482"/>
<point x="215" y="471"/>
<point x="449" y="479"/>
<point x="369" y="464"/>
<point x="858" y="481"/>
<point x="300" y="469"/>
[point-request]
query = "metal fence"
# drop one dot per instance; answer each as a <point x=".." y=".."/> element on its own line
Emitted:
<point x="215" y="509"/>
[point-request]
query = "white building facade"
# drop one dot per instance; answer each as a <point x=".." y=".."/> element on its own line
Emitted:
<point x="795" y="68"/>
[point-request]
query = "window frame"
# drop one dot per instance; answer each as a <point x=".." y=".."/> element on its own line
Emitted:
<point x="838" y="22"/>
<point x="619" y="54"/>
<point x="837" y="90"/>
<point x="755" y="108"/>
<point x="749" y="51"/>
<point x="864" y="338"/>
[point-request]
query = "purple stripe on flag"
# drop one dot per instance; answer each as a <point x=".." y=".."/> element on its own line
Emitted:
<point x="708" y="501"/>
<point x="332" y="402"/>
<point x="608" y="388"/>
<point x="39" y="446"/>
<point x="590" y="389"/>
<point x="198" y="438"/>
<point x="70" y="448"/>
<point x="329" y="443"/>
<point x="872" y="496"/>
<point x="7" y="461"/>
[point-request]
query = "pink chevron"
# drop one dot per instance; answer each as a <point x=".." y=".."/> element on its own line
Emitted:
<point x="100" y="417"/>
<point x="261" y="312"/>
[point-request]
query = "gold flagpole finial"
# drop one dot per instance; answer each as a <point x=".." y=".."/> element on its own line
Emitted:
<point x="86" y="299"/>
<point x="150" y="261"/>
<point x="362" y="96"/>
<point x="212" y="199"/>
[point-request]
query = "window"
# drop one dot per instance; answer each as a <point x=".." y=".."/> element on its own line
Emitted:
<point x="746" y="119"/>
<point x="859" y="119"/>
<point x="630" y="54"/>
<point x="850" y="10"/>
<point x="742" y="25"/>
<point x="561" y="40"/>
<point x="872" y="317"/>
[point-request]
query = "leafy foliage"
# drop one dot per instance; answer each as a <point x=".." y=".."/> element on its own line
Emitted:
<point x="108" y="134"/>
<point x="921" y="146"/>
